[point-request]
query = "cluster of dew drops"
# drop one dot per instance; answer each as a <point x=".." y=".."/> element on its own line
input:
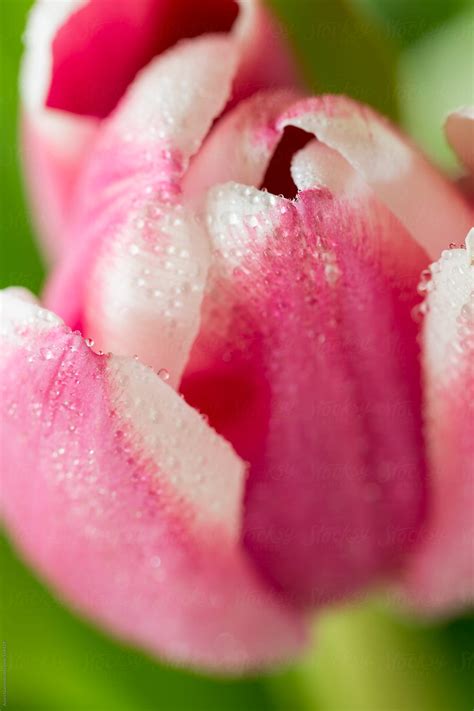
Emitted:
<point x="162" y="373"/>
<point x="426" y="285"/>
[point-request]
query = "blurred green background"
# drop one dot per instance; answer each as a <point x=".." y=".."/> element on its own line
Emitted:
<point x="413" y="60"/>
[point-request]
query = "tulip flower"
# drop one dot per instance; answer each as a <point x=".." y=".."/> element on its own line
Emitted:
<point x="233" y="407"/>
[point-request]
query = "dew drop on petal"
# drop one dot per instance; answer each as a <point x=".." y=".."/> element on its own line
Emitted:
<point x="46" y="354"/>
<point x="418" y="312"/>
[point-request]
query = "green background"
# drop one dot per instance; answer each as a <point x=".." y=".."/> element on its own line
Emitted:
<point x="412" y="59"/>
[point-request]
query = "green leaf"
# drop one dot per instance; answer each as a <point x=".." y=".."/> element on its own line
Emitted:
<point x="20" y="262"/>
<point x="408" y="20"/>
<point x="341" y="50"/>
<point x="435" y="77"/>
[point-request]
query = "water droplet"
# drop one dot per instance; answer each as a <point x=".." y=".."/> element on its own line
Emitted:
<point x="424" y="284"/>
<point x="89" y="342"/>
<point x="418" y="312"/>
<point x="164" y="374"/>
<point x="332" y="272"/>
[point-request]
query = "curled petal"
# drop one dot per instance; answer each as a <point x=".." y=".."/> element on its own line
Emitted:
<point x="135" y="279"/>
<point x="440" y="577"/>
<point x="247" y="137"/>
<point x="318" y="166"/>
<point x="128" y="502"/>
<point x="397" y="172"/>
<point x="75" y="71"/>
<point x="307" y="362"/>
<point x="400" y="176"/>
<point x="459" y="128"/>
<point x="76" y="62"/>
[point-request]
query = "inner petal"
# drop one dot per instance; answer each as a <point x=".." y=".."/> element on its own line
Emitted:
<point x="306" y="356"/>
<point x="103" y="45"/>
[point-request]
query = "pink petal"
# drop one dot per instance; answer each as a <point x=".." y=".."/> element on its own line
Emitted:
<point x="54" y="142"/>
<point x="135" y="279"/>
<point x="266" y="61"/>
<point x="459" y="130"/>
<point x="425" y="203"/>
<point x="307" y="362"/>
<point x="91" y="71"/>
<point x="75" y="71"/>
<point x="441" y="574"/>
<point x="397" y="172"/>
<point x="53" y="150"/>
<point x="128" y="502"/>
<point x="247" y="137"/>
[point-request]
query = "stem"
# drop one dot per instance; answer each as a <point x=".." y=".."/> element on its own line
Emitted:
<point x="366" y="659"/>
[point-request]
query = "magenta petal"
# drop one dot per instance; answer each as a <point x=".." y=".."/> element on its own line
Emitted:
<point x="90" y="70"/>
<point x="98" y="52"/>
<point x="128" y="502"/>
<point x="307" y="362"/>
<point x="440" y="576"/>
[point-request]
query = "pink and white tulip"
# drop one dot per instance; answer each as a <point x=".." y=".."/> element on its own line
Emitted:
<point x="253" y="257"/>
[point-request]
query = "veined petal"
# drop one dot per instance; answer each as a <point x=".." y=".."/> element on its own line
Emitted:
<point x="135" y="279"/>
<point x="128" y="502"/>
<point x="440" y="576"/>
<point x="459" y="128"/>
<point x="306" y="361"/>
